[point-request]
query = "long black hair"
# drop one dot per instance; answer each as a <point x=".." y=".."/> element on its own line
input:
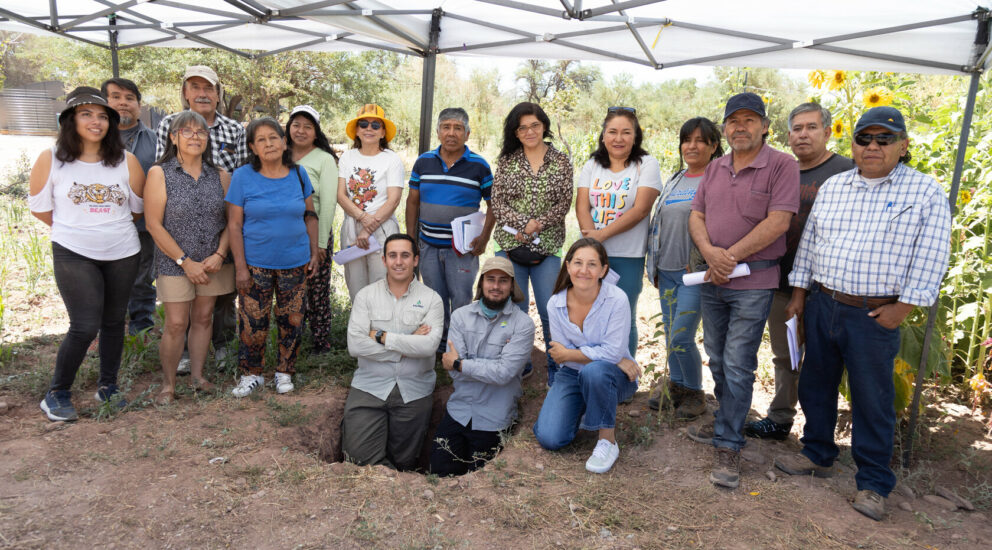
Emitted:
<point x="69" y="146"/>
<point x="186" y="119"/>
<point x="319" y="141"/>
<point x="256" y="162"/>
<point x="511" y="143"/>
<point x="708" y="129"/>
<point x="602" y="156"/>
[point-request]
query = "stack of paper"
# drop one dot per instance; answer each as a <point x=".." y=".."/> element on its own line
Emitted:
<point x="465" y="229"/>
<point x="353" y="252"/>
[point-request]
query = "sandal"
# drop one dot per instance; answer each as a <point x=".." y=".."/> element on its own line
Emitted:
<point x="203" y="385"/>
<point x="166" y="397"/>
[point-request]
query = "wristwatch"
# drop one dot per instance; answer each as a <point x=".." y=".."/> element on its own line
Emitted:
<point x="457" y="365"/>
<point x="181" y="259"/>
<point x="378" y="336"/>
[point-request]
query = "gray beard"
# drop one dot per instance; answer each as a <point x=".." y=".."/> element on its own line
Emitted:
<point x="495" y="306"/>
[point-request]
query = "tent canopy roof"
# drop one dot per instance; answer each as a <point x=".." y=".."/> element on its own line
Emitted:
<point x="885" y="35"/>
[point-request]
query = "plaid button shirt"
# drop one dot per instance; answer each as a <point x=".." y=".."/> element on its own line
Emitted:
<point x="227" y="140"/>
<point x="887" y="239"/>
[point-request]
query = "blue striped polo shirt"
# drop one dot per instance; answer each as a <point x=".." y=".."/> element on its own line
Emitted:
<point x="447" y="193"/>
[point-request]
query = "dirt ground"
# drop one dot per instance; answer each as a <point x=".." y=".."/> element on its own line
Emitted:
<point x="211" y="471"/>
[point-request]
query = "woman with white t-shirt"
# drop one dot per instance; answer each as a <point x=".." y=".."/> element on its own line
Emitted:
<point x="88" y="189"/>
<point x="369" y="189"/>
<point x="617" y="188"/>
<point x="669" y="250"/>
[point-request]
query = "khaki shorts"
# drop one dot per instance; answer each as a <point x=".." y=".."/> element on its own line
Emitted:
<point x="180" y="289"/>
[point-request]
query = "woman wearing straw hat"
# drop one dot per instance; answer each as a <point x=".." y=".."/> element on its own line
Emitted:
<point x="88" y="189"/>
<point x="313" y="152"/>
<point x="369" y="189"/>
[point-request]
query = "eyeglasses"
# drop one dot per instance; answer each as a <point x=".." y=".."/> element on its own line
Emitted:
<point x="536" y="128"/>
<point x="189" y="132"/>
<point x="376" y="125"/>
<point x="630" y="110"/>
<point x="882" y="139"/>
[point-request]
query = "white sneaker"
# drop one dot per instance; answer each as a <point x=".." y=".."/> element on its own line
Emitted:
<point x="284" y="382"/>
<point x="603" y="457"/>
<point x="183" y="367"/>
<point x="248" y="384"/>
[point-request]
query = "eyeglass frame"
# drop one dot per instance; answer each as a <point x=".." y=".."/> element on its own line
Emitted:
<point x="537" y="127"/>
<point x="202" y="134"/>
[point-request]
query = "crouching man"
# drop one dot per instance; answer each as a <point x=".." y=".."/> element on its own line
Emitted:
<point x="394" y="330"/>
<point x="489" y="344"/>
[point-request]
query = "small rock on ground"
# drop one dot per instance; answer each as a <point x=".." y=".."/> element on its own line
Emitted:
<point x="904" y="491"/>
<point x="950" y="495"/>
<point x="605" y="533"/>
<point x="428" y="494"/>
<point x="3" y="407"/>
<point x="906" y="506"/>
<point x="633" y="413"/>
<point x="941" y="502"/>
<point x="771" y="475"/>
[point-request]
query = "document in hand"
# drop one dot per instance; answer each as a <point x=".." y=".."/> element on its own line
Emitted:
<point x="353" y="252"/>
<point x="795" y="349"/>
<point x="465" y="229"/>
<point x="696" y="278"/>
<point x="512" y="231"/>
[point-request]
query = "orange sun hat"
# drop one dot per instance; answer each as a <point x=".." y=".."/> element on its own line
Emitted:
<point x="371" y="110"/>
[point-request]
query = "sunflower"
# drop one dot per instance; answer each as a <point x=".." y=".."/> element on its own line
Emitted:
<point x="836" y="79"/>
<point x="901" y="366"/>
<point x="816" y="78"/>
<point x="839" y="128"/>
<point x="878" y="96"/>
<point x="965" y="196"/>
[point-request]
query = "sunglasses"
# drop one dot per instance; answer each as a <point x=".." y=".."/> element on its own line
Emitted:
<point x="376" y="125"/>
<point x="619" y="109"/>
<point x="189" y="133"/>
<point x="882" y="139"/>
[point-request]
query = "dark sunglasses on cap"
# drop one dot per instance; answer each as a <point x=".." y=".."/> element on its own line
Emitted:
<point x="882" y="139"/>
<point x="376" y="125"/>
<point x="619" y="109"/>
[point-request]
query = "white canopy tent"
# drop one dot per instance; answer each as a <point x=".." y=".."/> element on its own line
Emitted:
<point x="924" y="36"/>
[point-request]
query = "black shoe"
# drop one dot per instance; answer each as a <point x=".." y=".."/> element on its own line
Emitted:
<point x="766" y="428"/>
<point x="58" y="406"/>
<point x="112" y="394"/>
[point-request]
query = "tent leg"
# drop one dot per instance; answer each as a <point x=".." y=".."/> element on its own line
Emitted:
<point x="427" y="84"/>
<point x="114" y="61"/>
<point x="914" y="408"/>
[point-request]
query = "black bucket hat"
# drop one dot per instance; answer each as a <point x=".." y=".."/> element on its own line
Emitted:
<point x="85" y="95"/>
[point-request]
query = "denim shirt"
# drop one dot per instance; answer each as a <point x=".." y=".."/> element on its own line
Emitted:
<point x="493" y="353"/>
<point x="605" y="331"/>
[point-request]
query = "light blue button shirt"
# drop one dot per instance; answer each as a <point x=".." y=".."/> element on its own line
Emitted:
<point x="605" y="331"/>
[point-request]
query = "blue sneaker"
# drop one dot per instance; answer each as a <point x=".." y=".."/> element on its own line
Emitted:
<point x="58" y="406"/>
<point x="110" y="393"/>
<point x="528" y="370"/>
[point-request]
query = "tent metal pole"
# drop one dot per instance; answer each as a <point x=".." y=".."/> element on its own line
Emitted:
<point x="114" y="61"/>
<point x="427" y="83"/>
<point x="952" y="198"/>
<point x="53" y="13"/>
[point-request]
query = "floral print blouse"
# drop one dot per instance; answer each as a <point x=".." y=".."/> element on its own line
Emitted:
<point x="519" y="196"/>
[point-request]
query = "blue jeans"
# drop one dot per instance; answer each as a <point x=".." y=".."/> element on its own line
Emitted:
<point x="542" y="277"/>
<point x="733" y="322"/>
<point x="141" y="305"/>
<point x="451" y="276"/>
<point x="589" y="396"/>
<point x="681" y="320"/>
<point x="839" y="336"/>
<point x="631" y="271"/>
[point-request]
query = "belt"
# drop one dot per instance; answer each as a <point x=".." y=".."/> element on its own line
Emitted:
<point x="870" y="302"/>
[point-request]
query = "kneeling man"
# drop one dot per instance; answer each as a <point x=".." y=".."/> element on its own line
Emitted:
<point x="394" y="330"/>
<point x="489" y="344"/>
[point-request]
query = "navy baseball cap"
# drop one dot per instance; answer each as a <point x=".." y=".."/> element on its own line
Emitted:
<point x="887" y="117"/>
<point x="746" y="100"/>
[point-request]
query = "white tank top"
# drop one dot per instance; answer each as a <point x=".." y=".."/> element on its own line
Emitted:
<point x="91" y="206"/>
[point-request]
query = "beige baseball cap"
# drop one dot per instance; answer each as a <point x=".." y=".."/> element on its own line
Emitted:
<point x="203" y="72"/>
<point x="506" y="266"/>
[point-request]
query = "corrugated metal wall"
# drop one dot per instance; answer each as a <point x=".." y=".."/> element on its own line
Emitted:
<point x="31" y="111"/>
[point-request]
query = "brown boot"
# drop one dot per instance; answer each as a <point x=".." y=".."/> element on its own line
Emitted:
<point x="692" y="405"/>
<point x="671" y="396"/>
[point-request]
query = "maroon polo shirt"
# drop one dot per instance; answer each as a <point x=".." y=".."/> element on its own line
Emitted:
<point x="735" y="203"/>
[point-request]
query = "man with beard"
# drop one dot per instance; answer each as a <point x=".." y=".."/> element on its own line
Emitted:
<point x="740" y="214"/>
<point x="393" y="331"/>
<point x="489" y="343"/>
<point x="201" y="92"/>
<point x="123" y="96"/>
